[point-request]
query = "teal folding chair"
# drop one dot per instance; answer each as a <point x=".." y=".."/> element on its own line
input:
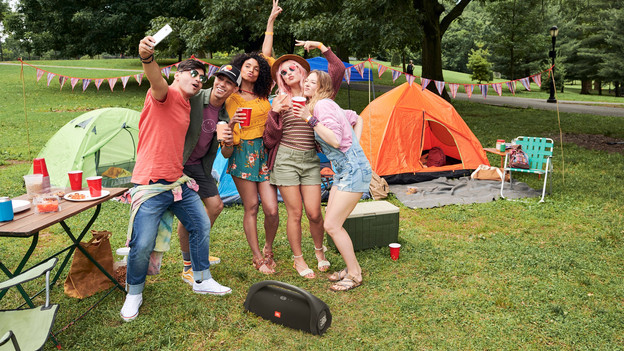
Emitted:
<point x="539" y="151"/>
<point x="28" y="329"/>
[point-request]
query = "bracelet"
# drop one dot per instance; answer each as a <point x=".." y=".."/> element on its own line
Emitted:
<point x="268" y="33"/>
<point x="308" y="119"/>
<point x="312" y="121"/>
<point x="145" y="60"/>
<point x="320" y="45"/>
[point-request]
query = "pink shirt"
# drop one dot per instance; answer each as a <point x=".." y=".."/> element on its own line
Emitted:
<point x="339" y="121"/>
<point x="162" y="129"/>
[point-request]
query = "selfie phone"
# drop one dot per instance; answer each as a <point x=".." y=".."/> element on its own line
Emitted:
<point x="162" y="34"/>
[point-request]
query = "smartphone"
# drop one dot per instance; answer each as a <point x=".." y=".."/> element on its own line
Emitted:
<point x="162" y="34"/>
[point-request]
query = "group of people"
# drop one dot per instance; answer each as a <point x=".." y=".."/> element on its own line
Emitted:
<point x="276" y="150"/>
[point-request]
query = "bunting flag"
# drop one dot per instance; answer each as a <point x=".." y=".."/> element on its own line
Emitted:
<point x="211" y="70"/>
<point x="73" y="81"/>
<point x="410" y="79"/>
<point x="537" y="78"/>
<point x="424" y="82"/>
<point x="440" y="86"/>
<point x="40" y="74"/>
<point x="381" y="69"/>
<point x="469" y="88"/>
<point x="395" y="74"/>
<point x="525" y="83"/>
<point x="165" y="71"/>
<point x="347" y="76"/>
<point x="50" y="76"/>
<point x="111" y="83"/>
<point x="511" y="85"/>
<point x="124" y="81"/>
<point x="484" y="89"/>
<point x="62" y="80"/>
<point x="85" y="84"/>
<point x="498" y="88"/>
<point x="139" y="78"/>
<point x="360" y="68"/>
<point x="98" y="82"/>
<point x="453" y="87"/>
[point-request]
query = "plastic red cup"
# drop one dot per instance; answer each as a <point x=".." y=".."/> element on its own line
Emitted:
<point x="394" y="250"/>
<point x="95" y="186"/>
<point x="39" y="167"/>
<point x="247" y="112"/>
<point x="75" y="180"/>
<point x="299" y="100"/>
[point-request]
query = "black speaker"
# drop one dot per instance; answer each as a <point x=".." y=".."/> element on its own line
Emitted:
<point x="288" y="305"/>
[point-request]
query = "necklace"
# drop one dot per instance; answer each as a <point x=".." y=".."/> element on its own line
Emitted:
<point x="245" y="91"/>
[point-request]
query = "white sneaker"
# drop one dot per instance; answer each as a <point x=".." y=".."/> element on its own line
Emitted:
<point x="130" y="309"/>
<point x="211" y="287"/>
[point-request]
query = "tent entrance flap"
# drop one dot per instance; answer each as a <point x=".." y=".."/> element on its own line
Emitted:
<point x="437" y="135"/>
<point x="115" y="160"/>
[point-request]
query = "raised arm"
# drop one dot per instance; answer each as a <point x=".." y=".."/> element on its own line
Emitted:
<point x="335" y="67"/>
<point x="267" y="45"/>
<point x="159" y="86"/>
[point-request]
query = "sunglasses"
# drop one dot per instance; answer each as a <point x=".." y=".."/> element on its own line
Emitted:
<point x="291" y="68"/>
<point x="202" y="78"/>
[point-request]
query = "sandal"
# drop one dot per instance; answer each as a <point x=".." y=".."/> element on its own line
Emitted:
<point x="348" y="283"/>
<point x="337" y="276"/>
<point x="306" y="273"/>
<point x="268" y="259"/>
<point x="259" y="263"/>
<point x="323" y="265"/>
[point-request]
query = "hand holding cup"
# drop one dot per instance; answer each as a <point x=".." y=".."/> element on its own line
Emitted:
<point x="227" y="135"/>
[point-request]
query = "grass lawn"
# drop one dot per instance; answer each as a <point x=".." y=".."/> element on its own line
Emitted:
<point x="500" y="275"/>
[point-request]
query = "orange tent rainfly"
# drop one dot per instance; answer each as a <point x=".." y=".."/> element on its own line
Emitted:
<point x="402" y="125"/>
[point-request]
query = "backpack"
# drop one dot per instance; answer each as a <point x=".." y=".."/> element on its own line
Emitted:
<point x="436" y="157"/>
<point x="518" y="158"/>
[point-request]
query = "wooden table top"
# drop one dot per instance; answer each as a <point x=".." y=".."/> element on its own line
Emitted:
<point x="27" y="223"/>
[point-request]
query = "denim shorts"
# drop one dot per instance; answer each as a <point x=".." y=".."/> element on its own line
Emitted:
<point x="296" y="167"/>
<point x="207" y="184"/>
<point x="354" y="175"/>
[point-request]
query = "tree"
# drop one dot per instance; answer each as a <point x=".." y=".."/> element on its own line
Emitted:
<point x="479" y="65"/>
<point x="462" y="35"/>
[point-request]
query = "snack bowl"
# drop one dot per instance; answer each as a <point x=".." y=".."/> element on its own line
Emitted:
<point x="47" y="204"/>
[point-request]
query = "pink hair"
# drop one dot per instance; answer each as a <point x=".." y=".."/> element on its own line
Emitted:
<point x="283" y="87"/>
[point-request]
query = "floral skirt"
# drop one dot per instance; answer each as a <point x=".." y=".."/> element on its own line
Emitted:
<point x="249" y="161"/>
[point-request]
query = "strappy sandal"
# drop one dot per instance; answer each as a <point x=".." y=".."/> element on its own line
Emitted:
<point x="304" y="273"/>
<point x="268" y="259"/>
<point x="347" y="283"/>
<point x="262" y="262"/>
<point x="337" y="276"/>
<point x="323" y="265"/>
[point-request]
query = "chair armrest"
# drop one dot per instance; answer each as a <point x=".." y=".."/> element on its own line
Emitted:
<point x="30" y="274"/>
<point x="6" y="337"/>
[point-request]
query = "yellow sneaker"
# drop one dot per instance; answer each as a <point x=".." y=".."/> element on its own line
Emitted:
<point x="214" y="260"/>
<point x="187" y="276"/>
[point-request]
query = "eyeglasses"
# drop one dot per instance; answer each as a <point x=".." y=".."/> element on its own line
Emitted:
<point x="202" y="78"/>
<point x="290" y="68"/>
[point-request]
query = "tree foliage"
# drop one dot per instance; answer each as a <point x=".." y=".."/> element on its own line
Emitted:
<point x="479" y="65"/>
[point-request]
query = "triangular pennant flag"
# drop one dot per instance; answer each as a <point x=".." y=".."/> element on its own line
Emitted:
<point x="97" y="83"/>
<point x="50" y="76"/>
<point x="395" y="75"/>
<point x="62" y="80"/>
<point x="111" y="83"/>
<point x="538" y="79"/>
<point x="511" y="85"/>
<point x="410" y="79"/>
<point x="424" y="82"/>
<point x="469" y="88"/>
<point x="381" y="69"/>
<point x="484" y="89"/>
<point x="440" y="86"/>
<point x="73" y="82"/>
<point x="360" y="68"/>
<point x="453" y="87"/>
<point x="211" y="70"/>
<point x="139" y="78"/>
<point x="39" y="75"/>
<point x="498" y="88"/>
<point x="347" y="76"/>
<point x="85" y="84"/>
<point x="124" y="81"/>
<point x="525" y="83"/>
<point x="166" y="71"/>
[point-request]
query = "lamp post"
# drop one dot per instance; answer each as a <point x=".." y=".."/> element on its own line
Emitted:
<point x="553" y="34"/>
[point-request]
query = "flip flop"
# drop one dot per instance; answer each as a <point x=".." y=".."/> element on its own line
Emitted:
<point x="348" y="283"/>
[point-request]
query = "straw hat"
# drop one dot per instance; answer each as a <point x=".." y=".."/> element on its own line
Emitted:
<point x="300" y="60"/>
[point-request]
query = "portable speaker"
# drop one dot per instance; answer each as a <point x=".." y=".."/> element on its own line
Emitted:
<point x="288" y="305"/>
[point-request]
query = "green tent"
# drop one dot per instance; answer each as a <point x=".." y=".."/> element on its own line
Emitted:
<point x="100" y="142"/>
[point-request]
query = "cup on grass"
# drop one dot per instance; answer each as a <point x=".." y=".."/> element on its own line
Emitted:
<point x="247" y="112"/>
<point x="75" y="180"/>
<point x="95" y="186"/>
<point x="395" y="248"/>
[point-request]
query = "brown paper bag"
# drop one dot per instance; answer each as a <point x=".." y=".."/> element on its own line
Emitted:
<point x="84" y="278"/>
<point x="378" y="187"/>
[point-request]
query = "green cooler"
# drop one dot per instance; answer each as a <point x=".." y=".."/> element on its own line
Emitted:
<point x="371" y="224"/>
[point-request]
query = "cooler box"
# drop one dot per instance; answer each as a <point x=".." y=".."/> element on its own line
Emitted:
<point x="371" y="224"/>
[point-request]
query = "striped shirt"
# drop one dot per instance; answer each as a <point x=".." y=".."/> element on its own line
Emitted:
<point x="297" y="134"/>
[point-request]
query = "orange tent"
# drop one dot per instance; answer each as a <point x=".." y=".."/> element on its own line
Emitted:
<point x="405" y="122"/>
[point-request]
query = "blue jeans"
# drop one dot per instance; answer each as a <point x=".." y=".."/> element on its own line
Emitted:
<point x="191" y="213"/>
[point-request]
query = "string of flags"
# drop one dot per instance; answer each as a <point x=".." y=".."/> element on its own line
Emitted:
<point x="359" y="67"/>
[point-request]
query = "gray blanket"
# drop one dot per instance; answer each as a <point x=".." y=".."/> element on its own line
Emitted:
<point x="443" y="191"/>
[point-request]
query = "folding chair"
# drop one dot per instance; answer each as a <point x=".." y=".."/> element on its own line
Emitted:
<point x="539" y="151"/>
<point x="28" y="329"/>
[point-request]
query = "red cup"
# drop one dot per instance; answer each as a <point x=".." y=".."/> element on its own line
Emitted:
<point x="394" y="250"/>
<point x="39" y="167"/>
<point x="75" y="180"/>
<point x="299" y="100"/>
<point x="95" y="186"/>
<point x="247" y="112"/>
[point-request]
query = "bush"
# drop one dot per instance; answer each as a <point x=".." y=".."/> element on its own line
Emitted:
<point x="479" y="65"/>
<point x="396" y="59"/>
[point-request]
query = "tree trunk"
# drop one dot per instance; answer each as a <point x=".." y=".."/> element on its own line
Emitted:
<point x="616" y="86"/>
<point x="598" y="86"/>
<point x="585" y="86"/>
